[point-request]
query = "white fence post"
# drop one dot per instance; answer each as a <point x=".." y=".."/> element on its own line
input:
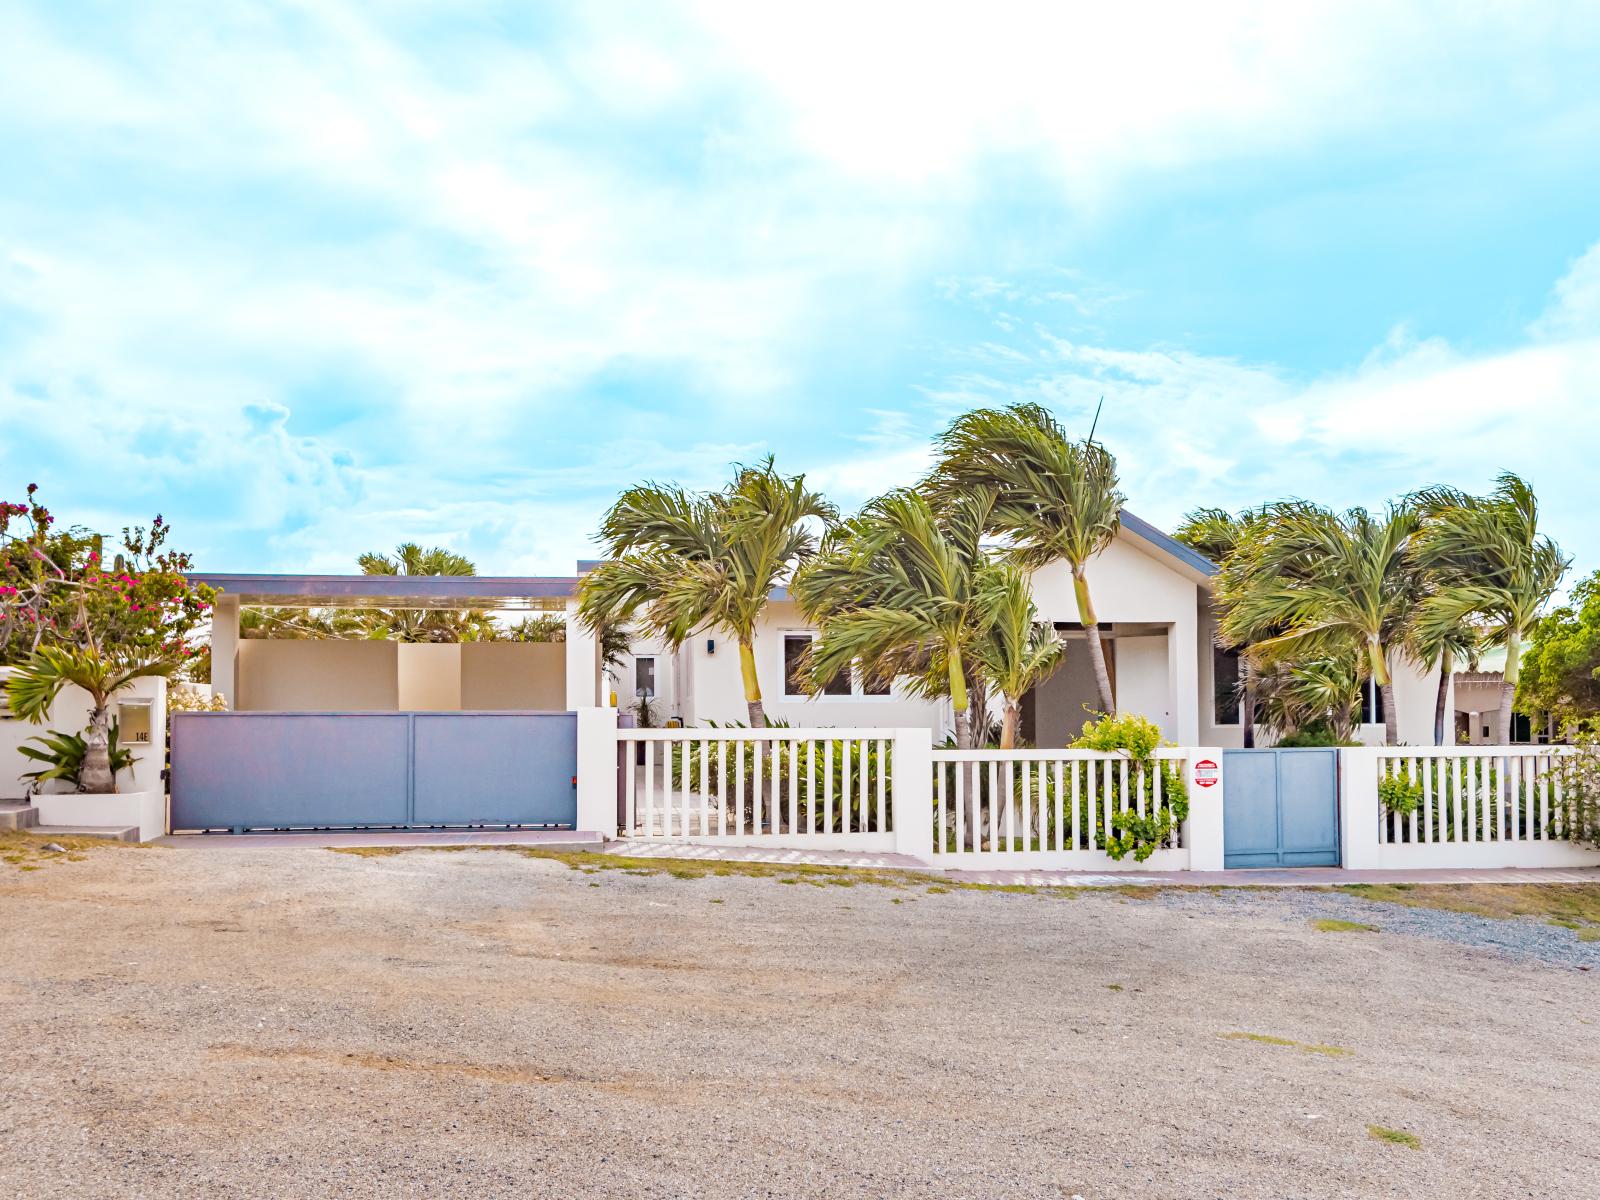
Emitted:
<point x="597" y="771"/>
<point x="912" y="783"/>
<point x="1358" y="809"/>
<point x="1203" y="833"/>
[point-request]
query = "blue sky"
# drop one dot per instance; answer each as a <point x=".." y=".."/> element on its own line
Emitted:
<point x="312" y="279"/>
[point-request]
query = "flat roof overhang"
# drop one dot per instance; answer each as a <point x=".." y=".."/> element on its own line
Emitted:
<point x="504" y="592"/>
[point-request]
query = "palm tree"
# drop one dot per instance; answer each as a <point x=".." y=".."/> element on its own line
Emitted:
<point x="1219" y="535"/>
<point x="1488" y="560"/>
<point x="1296" y="696"/>
<point x="1313" y="584"/>
<point x="1439" y="639"/>
<point x="34" y="686"/>
<point x="1016" y="651"/>
<point x="1055" y="498"/>
<point x="423" y="624"/>
<point x="683" y="561"/>
<point x="898" y="591"/>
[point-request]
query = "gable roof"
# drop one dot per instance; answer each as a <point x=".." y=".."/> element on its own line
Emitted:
<point x="1192" y="561"/>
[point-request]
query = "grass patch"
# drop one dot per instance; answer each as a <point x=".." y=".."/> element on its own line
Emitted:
<point x="1113" y="987"/>
<point x="26" y="851"/>
<point x="1267" y="1039"/>
<point x="1576" y="902"/>
<point x="1333" y="925"/>
<point x="1591" y="934"/>
<point x="1395" y="1137"/>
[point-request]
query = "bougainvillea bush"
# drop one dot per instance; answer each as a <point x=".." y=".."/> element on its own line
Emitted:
<point x="59" y="587"/>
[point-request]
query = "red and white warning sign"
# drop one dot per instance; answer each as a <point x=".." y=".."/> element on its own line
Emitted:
<point x="1205" y="773"/>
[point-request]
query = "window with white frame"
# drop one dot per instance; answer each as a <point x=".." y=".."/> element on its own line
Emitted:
<point x="1371" y="703"/>
<point x="845" y="683"/>
<point x="644" y="676"/>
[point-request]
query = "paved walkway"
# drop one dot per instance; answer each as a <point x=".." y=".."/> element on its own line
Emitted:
<point x="557" y="839"/>
<point x="578" y="840"/>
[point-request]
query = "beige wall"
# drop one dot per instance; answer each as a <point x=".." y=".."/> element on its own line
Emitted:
<point x="430" y="677"/>
<point x="317" y="676"/>
<point x="512" y="675"/>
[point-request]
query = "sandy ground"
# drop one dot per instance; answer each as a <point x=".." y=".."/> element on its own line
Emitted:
<point x="272" y="1022"/>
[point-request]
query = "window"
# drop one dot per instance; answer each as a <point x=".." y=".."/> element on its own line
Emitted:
<point x="644" y="677"/>
<point x="1225" y="686"/>
<point x="1371" y="703"/>
<point x="794" y="678"/>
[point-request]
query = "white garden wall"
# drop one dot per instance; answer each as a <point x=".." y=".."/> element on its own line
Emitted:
<point x="71" y="715"/>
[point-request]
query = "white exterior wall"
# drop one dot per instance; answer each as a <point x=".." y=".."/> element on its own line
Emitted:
<point x="1129" y="584"/>
<point x="71" y="715"/>
<point x="714" y="688"/>
<point x="1142" y="681"/>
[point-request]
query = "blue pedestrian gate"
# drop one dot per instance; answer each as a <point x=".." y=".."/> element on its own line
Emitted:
<point x="1281" y="808"/>
<point x="404" y="770"/>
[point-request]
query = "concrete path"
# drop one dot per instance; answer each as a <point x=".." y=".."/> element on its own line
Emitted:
<point x="562" y="839"/>
<point x="647" y="848"/>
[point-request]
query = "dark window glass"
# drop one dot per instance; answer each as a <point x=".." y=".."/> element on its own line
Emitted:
<point x="794" y="683"/>
<point x="871" y="687"/>
<point x="1371" y="703"/>
<point x="644" y="677"/>
<point x="1225" y="677"/>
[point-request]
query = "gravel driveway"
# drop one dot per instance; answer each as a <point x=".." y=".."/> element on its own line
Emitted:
<point x="288" y="1022"/>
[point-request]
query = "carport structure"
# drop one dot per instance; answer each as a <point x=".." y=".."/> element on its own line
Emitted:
<point x="361" y="675"/>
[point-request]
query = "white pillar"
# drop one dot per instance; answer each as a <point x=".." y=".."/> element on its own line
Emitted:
<point x="1183" y="675"/>
<point x="583" y="664"/>
<point x="1359" y="813"/>
<point x="597" y="771"/>
<point x="1203" y="831"/>
<point x="225" y="648"/>
<point x="911" y="778"/>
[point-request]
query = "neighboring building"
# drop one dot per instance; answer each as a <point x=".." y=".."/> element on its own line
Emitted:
<point x="1153" y="595"/>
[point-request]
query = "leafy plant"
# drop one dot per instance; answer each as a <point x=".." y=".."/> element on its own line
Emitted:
<point x="33" y="688"/>
<point x="682" y="562"/>
<point x="64" y="754"/>
<point x="1139" y="738"/>
<point x="1401" y="794"/>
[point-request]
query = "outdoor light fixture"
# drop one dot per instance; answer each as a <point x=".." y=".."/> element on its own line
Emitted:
<point x="711" y="645"/>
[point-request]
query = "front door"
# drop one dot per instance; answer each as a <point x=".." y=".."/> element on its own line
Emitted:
<point x="1281" y="808"/>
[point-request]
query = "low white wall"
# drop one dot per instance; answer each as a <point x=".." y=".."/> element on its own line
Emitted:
<point x="71" y="715"/>
<point x="144" y="811"/>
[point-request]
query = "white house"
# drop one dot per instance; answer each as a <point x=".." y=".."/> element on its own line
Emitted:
<point x="1152" y="594"/>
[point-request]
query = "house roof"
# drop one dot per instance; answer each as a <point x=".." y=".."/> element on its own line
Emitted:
<point x="1168" y="545"/>
<point x="395" y="591"/>
<point x="527" y="591"/>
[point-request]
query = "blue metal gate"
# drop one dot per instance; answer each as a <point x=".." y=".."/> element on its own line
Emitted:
<point x="1280" y="808"/>
<point x="243" y="771"/>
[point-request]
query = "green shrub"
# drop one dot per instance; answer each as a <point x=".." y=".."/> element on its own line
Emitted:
<point x="63" y="753"/>
<point x="1133" y="834"/>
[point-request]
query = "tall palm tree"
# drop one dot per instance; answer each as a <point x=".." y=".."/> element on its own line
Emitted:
<point x="34" y="686"/>
<point x="1015" y="650"/>
<point x="682" y="561"/>
<point x="1435" y="639"/>
<point x="1488" y="560"/>
<point x="423" y="624"/>
<point x="1219" y="535"/>
<point x="1314" y="584"/>
<point x="898" y="590"/>
<point x="1055" y="498"/>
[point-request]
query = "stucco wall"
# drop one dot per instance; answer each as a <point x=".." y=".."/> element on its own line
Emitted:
<point x="514" y="675"/>
<point x="429" y="677"/>
<point x="317" y="676"/>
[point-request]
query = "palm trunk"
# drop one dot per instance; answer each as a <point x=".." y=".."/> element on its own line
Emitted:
<point x="1097" y="652"/>
<point x="752" y="685"/>
<point x="1508" y="694"/>
<point x="978" y="710"/>
<point x="1009" y="724"/>
<point x="1247" y="706"/>
<point x="1441" y="703"/>
<point x="1391" y="719"/>
<point x="1508" y="689"/>
<point x="95" y="774"/>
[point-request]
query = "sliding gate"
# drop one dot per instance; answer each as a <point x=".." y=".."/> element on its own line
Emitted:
<point x="250" y="770"/>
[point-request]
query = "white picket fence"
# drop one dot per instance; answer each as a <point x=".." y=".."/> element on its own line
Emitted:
<point x="818" y="788"/>
<point x="1476" y="806"/>
<point x="1050" y="808"/>
<point x="888" y="790"/>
